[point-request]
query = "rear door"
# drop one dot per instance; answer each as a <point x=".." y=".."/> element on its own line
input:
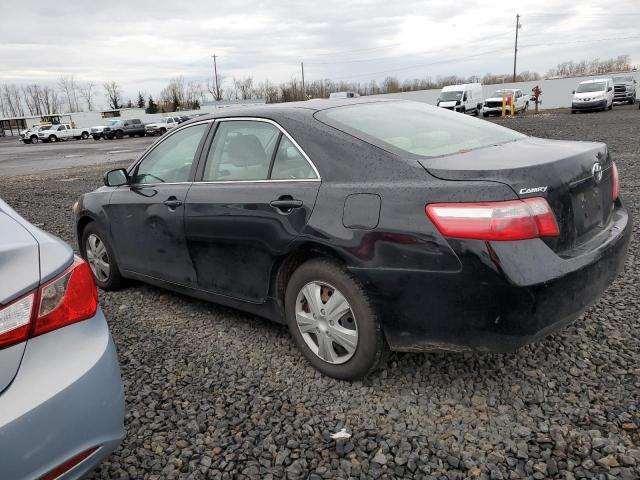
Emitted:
<point x="256" y="192"/>
<point x="146" y="217"/>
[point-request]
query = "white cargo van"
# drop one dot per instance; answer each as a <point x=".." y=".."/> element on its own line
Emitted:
<point x="466" y="98"/>
<point x="593" y="95"/>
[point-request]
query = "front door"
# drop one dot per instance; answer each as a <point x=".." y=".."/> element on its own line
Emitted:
<point x="256" y="194"/>
<point x="147" y="216"/>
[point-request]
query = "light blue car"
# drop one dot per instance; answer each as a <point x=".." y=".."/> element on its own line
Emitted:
<point x="61" y="395"/>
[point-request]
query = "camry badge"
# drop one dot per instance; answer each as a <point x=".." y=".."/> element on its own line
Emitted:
<point x="596" y="171"/>
<point x="524" y="191"/>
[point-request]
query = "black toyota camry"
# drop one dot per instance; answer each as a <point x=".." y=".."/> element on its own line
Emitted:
<point x="366" y="225"/>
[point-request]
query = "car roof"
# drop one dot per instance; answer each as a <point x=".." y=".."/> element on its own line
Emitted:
<point x="272" y="110"/>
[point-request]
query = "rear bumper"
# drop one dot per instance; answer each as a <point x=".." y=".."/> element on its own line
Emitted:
<point x="66" y="398"/>
<point x="506" y="294"/>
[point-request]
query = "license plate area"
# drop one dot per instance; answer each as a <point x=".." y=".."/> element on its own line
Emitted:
<point x="587" y="208"/>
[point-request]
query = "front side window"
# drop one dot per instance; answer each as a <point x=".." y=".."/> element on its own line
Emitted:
<point x="171" y="160"/>
<point x="241" y="150"/>
<point x="415" y="128"/>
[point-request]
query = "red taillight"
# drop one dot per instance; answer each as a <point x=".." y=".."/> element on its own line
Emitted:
<point x="510" y="220"/>
<point x="616" y="184"/>
<point x="68" y="298"/>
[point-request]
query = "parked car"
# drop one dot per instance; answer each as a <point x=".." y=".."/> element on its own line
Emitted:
<point x="61" y="395"/>
<point x="162" y="126"/>
<point x="184" y="118"/>
<point x="341" y="95"/>
<point x="624" y="89"/>
<point x="96" y="132"/>
<point x="362" y="223"/>
<point x="120" y="128"/>
<point x="31" y="134"/>
<point x="593" y="95"/>
<point x="63" y="131"/>
<point x="493" y="104"/>
<point x="465" y="98"/>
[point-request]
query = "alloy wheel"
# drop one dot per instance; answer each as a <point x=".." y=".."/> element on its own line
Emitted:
<point x="326" y="322"/>
<point x="98" y="258"/>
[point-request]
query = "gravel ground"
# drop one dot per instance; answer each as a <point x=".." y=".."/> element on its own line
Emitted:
<point x="216" y="393"/>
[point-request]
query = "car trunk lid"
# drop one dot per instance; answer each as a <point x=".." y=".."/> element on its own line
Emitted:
<point x="575" y="178"/>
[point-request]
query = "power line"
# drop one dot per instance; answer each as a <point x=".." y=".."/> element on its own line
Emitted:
<point x="441" y="62"/>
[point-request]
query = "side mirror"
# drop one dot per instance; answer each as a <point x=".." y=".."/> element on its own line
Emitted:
<point x="574" y="92"/>
<point x="116" y="178"/>
<point x="609" y="89"/>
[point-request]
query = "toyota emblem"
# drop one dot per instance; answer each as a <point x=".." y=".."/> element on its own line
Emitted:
<point x="596" y="171"/>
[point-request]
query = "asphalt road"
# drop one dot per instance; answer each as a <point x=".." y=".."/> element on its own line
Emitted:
<point x="215" y="393"/>
<point x="17" y="158"/>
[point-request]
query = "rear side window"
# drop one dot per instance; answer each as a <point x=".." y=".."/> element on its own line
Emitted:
<point x="289" y="163"/>
<point x="416" y="128"/>
<point x="241" y="150"/>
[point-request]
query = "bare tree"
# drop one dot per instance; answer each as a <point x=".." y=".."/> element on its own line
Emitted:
<point x="69" y="89"/>
<point x="87" y="92"/>
<point x="12" y="105"/>
<point x="216" y="89"/>
<point x="173" y="96"/>
<point x="33" y="98"/>
<point x="50" y="100"/>
<point x="113" y="94"/>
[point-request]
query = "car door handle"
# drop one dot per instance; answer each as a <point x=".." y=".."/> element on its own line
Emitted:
<point x="286" y="203"/>
<point x="172" y="202"/>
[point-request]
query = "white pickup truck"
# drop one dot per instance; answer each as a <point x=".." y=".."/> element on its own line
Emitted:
<point x="162" y="126"/>
<point x="63" y="131"/>
<point x="493" y="104"/>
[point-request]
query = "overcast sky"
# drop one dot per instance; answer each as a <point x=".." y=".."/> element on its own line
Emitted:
<point x="142" y="44"/>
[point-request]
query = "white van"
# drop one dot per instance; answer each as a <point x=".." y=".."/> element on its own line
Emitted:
<point x="347" y="94"/>
<point x="593" y="95"/>
<point x="466" y="98"/>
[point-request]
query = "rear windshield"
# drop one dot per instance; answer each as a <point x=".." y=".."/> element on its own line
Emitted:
<point x="416" y="128"/>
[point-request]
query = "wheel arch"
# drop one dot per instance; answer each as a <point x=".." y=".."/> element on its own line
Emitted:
<point x="81" y="224"/>
<point x="289" y="263"/>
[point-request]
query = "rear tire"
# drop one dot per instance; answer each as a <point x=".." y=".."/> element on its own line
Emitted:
<point x="97" y="251"/>
<point x="485" y="114"/>
<point x="119" y="134"/>
<point x="346" y="346"/>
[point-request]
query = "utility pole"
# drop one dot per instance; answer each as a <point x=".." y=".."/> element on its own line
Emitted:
<point x="215" y="70"/>
<point x="515" y="52"/>
<point x="304" y="92"/>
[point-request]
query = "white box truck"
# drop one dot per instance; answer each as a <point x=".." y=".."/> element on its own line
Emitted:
<point x="465" y="98"/>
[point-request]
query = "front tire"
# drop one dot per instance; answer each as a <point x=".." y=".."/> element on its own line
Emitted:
<point x="96" y="137"/>
<point x="332" y="320"/>
<point x="53" y="139"/>
<point x="97" y="251"/>
<point x="84" y="135"/>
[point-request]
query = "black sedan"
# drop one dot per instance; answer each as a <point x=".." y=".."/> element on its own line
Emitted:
<point x="366" y="225"/>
